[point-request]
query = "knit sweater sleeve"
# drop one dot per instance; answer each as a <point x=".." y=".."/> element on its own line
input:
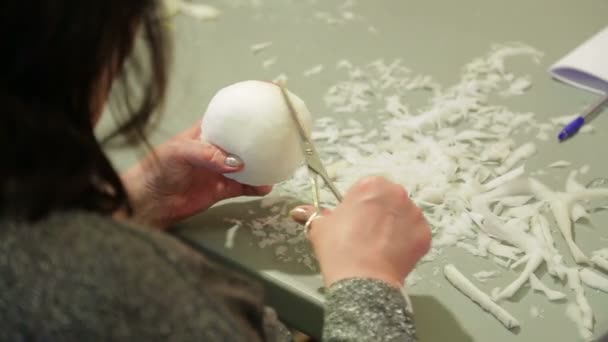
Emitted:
<point x="367" y="310"/>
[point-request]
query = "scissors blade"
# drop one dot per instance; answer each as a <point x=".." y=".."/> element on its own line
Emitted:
<point x="310" y="153"/>
<point x="315" y="165"/>
<point x="294" y="115"/>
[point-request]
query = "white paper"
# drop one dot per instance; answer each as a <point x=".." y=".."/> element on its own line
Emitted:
<point x="586" y="67"/>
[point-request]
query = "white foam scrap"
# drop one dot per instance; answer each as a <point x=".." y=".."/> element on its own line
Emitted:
<point x="552" y="295"/>
<point x="412" y="279"/>
<point x="246" y="3"/>
<point x="459" y="281"/>
<point x="281" y="78"/>
<point x="200" y="11"/>
<point x="542" y="135"/>
<point x="544" y="129"/>
<point x="586" y="314"/>
<point x="518" y="86"/>
<point x="269" y="62"/>
<point x="600" y="259"/>
<point x="601" y="263"/>
<point x="534" y="312"/>
<point x="341" y="14"/>
<point x="602" y="253"/>
<point x="468" y="247"/>
<point x="594" y="279"/>
<point x="354" y="123"/>
<point x="327" y="17"/>
<point x="231" y="234"/>
<point x="315" y="70"/>
<point x="259" y="47"/>
<point x="574" y="314"/>
<point x="523" y="152"/>
<point x="560" y="164"/>
<point x="501" y="262"/>
<point x="504" y="178"/>
<point x="483" y="276"/>
<point x="172" y="7"/>
<point x="281" y="250"/>
<point x="280" y="232"/>
<point x="458" y="161"/>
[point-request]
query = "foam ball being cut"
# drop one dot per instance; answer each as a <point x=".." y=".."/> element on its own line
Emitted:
<point x="250" y="119"/>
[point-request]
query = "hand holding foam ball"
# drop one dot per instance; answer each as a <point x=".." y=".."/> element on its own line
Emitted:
<point x="250" y="119"/>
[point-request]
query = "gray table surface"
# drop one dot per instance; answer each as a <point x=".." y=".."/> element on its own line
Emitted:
<point x="432" y="37"/>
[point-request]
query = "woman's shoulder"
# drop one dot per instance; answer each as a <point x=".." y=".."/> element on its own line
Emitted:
<point x="105" y="273"/>
<point x="78" y="240"/>
<point x="94" y="246"/>
<point x="80" y="229"/>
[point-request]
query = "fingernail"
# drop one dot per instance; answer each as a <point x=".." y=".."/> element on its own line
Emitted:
<point x="233" y="161"/>
<point x="299" y="214"/>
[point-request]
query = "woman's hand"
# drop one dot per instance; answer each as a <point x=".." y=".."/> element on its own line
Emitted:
<point x="181" y="178"/>
<point x="376" y="232"/>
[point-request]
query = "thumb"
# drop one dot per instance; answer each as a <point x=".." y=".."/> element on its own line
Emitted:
<point x="203" y="154"/>
<point x="302" y="213"/>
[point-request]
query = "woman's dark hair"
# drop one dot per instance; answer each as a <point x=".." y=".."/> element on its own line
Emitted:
<point x="57" y="57"/>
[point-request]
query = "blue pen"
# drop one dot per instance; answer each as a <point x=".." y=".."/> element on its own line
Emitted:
<point x="580" y="120"/>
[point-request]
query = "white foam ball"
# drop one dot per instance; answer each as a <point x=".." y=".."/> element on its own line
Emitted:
<point x="250" y="119"/>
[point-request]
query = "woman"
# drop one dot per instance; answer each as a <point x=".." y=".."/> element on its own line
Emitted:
<point x="80" y="257"/>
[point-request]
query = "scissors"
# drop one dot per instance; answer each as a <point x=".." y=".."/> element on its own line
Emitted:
<point x="312" y="160"/>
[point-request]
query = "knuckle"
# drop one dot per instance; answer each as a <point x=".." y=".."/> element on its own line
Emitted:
<point x="216" y="156"/>
<point x="371" y="182"/>
<point x="424" y="237"/>
<point x="377" y="186"/>
<point x="418" y="214"/>
<point x="401" y="193"/>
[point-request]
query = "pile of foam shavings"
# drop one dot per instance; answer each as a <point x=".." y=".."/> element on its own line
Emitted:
<point x="340" y="15"/>
<point x="279" y="232"/>
<point x="460" y="164"/>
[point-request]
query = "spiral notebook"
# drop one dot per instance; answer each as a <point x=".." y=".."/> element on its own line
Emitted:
<point x="586" y="67"/>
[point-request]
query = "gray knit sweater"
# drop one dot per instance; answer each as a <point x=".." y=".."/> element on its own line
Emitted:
<point x="83" y="277"/>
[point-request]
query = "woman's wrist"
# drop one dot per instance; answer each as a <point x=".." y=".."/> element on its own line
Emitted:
<point x="344" y="274"/>
<point x="143" y="203"/>
<point x="359" y="280"/>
